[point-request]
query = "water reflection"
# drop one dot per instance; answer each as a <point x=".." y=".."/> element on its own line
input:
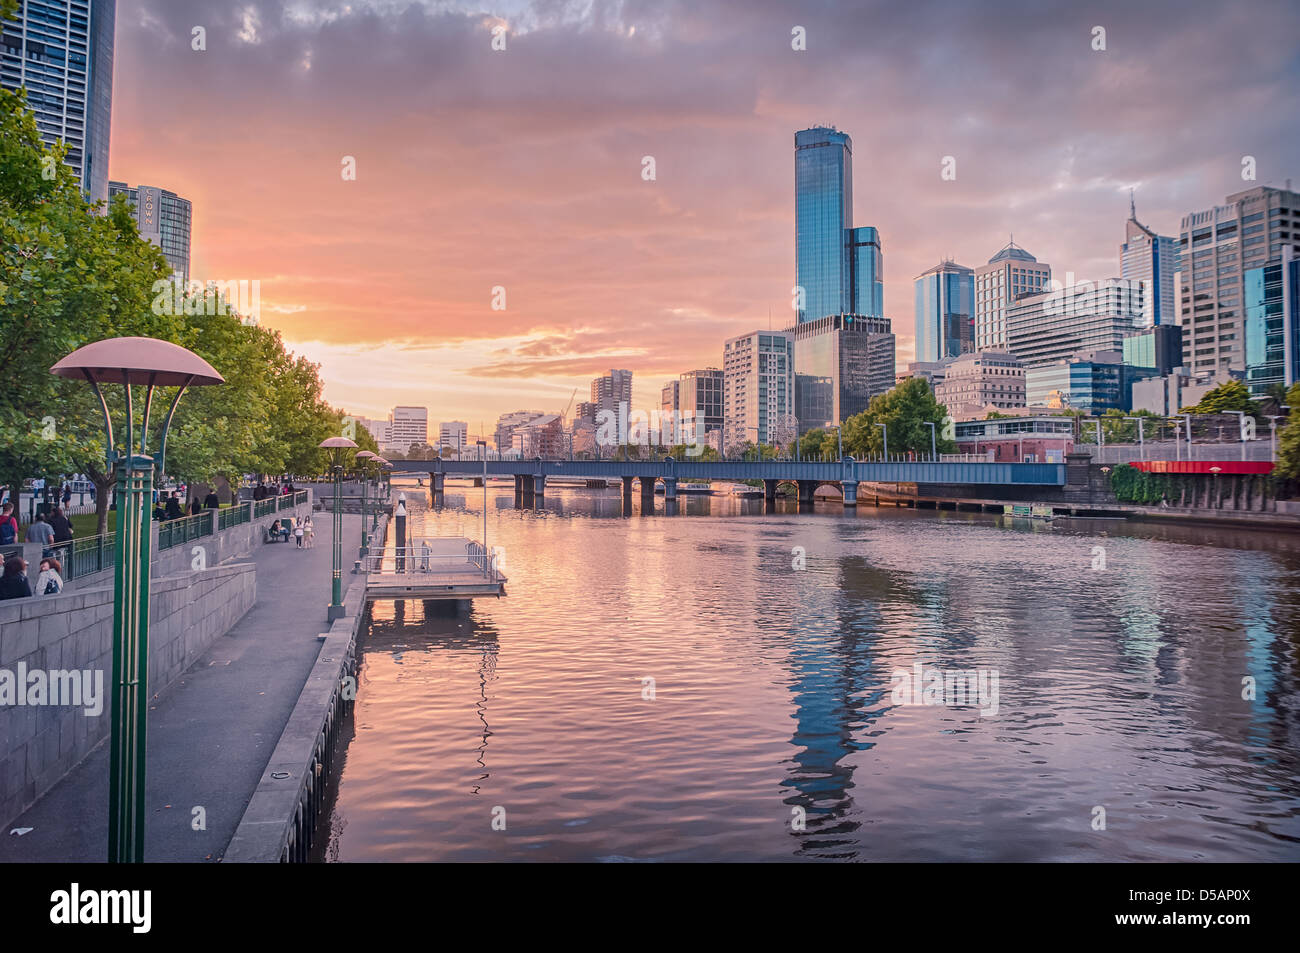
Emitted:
<point x="1120" y="688"/>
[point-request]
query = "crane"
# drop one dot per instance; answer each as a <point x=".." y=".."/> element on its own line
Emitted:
<point x="564" y="414"/>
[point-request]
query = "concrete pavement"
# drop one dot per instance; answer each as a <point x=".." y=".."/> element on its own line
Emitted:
<point x="209" y="734"/>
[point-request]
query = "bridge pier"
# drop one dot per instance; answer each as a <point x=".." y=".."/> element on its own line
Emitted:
<point x="769" y="490"/>
<point x="850" y="490"/>
<point x="437" y="486"/>
<point x="647" y="494"/>
<point x="806" y="490"/>
<point x="478" y="481"/>
<point x="539" y="487"/>
<point x="670" y="489"/>
<point x="519" y="491"/>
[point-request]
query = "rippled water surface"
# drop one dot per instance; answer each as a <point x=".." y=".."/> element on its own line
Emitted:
<point x="1119" y="690"/>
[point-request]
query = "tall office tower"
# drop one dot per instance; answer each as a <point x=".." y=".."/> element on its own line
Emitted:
<point x="866" y="272"/>
<point x="379" y="429"/>
<point x="611" y="390"/>
<point x="1057" y="324"/>
<point x="61" y="51"/>
<point x="945" y="311"/>
<point x="1146" y="256"/>
<point x="701" y="396"/>
<point x="758" y="388"/>
<point x="823" y="216"/>
<point x="408" y="425"/>
<point x="841" y="361"/>
<point x="1010" y="273"/>
<point x="670" y="398"/>
<point x="163" y="218"/>
<point x="839" y="267"/>
<point x="1273" y="323"/>
<point x="453" y="434"/>
<point x="972" y="383"/>
<point x="1216" y="249"/>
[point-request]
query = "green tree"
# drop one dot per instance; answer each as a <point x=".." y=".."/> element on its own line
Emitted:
<point x="904" y="410"/>
<point x="1288" y="444"/>
<point x="1230" y="396"/>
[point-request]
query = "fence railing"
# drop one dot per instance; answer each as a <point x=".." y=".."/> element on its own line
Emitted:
<point x="81" y="557"/>
<point x="234" y="515"/>
<point x="419" y="559"/>
<point x="174" y="532"/>
<point x="264" y="508"/>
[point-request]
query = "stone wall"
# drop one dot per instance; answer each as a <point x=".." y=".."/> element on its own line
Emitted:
<point x="39" y="744"/>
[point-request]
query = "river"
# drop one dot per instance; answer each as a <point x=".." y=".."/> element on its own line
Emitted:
<point x="1107" y="691"/>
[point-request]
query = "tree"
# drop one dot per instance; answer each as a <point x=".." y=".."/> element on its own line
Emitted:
<point x="1288" y="449"/>
<point x="1229" y="397"/>
<point x="904" y="410"/>
<point x="818" y="443"/>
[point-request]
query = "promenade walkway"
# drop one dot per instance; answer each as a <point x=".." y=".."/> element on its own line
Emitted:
<point x="211" y="733"/>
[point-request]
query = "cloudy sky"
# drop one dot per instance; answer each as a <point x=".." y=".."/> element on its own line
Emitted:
<point x="522" y="168"/>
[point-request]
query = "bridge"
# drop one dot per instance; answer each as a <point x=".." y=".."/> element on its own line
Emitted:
<point x="530" y="475"/>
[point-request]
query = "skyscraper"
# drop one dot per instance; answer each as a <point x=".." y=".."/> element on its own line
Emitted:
<point x="700" y="395"/>
<point x="1217" y="248"/>
<point x="609" y="391"/>
<point x="758" y="388"/>
<point x="408" y="425"/>
<point x="1056" y="325"/>
<point x="945" y="311"/>
<point x="867" y="276"/>
<point x="61" y="51"/>
<point x="841" y="361"/>
<point x="823" y="217"/>
<point x="1273" y="323"/>
<point x="1010" y="273"/>
<point x="163" y="218"/>
<point x="1146" y="256"/>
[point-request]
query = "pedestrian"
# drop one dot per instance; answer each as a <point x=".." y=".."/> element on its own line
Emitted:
<point x="173" y="509"/>
<point x="67" y="493"/>
<point x="259" y="492"/>
<point x="8" y="525"/>
<point x="50" y="580"/>
<point x="61" y="525"/>
<point x="212" y="501"/>
<point x="195" y="507"/>
<point x="297" y="534"/>
<point x="159" y="511"/>
<point x="14" y="584"/>
<point x="40" y="531"/>
<point x="309" y="532"/>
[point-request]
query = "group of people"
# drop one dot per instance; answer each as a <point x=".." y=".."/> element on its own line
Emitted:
<point x="14" y="584"/>
<point x="171" y="509"/>
<point x="264" y="491"/>
<point x="303" y="532"/>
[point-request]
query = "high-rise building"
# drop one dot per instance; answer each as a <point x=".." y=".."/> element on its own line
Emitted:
<point x="841" y="361"/>
<point x="945" y="311"/>
<point x="1216" y="249"/>
<point x="379" y="429"/>
<point x="1057" y="324"/>
<point x="1273" y="323"/>
<point x="61" y="51"/>
<point x="1159" y="346"/>
<point x="839" y="267"/>
<point x="1146" y="256"/>
<point x="1091" y="381"/>
<point x="670" y="398"/>
<point x="1010" y="273"/>
<point x="163" y="218"/>
<point x="508" y="423"/>
<point x="453" y="434"/>
<point x="408" y="425"/>
<point x="608" y="392"/>
<point x="758" y="388"/>
<point x="973" y="383"/>
<point x="700" y="397"/>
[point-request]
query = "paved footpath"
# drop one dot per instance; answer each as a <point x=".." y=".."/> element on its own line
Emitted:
<point x="211" y="733"/>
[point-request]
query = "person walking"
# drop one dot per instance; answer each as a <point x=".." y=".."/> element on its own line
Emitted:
<point x="195" y="507"/>
<point x="50" y="580"/>
<point x="14" y="584"/>
<point x="61" y="525"/>
<point x="67" y="493"/>
<point x="298" y="533"/>
<point x="40" y="531"/>
<point x="212" y="501"/>
<point x="174" y="511"/>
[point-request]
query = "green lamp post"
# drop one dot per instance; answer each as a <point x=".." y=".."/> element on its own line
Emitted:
<point x="380" y="474"/>
<point x="149" y="363"/>
<point x="365" y="459"/>
<point x="337" y="446"/>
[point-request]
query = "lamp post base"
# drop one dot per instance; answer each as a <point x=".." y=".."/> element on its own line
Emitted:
<point x="334" y="612"/>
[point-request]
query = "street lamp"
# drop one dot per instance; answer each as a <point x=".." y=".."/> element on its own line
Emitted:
<point x="337" y="446"/>
<point x="383" y="466"/>
<point x="365" y="458"/>
<point x="1216" y="471"/>
<point x="934" y="450"/>
<point x="150" y="363"/>
<point x="1272" y="437"/>
<point x="1142" y="447"/>
<point x="884" y="432"/>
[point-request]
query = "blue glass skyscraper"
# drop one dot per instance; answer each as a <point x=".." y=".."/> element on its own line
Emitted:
<point x="61" y="51"/>
<point x="866" y="274"/>
<point x="945" y="312"/>
<point x="1273" y="323"/>
<point x="823" y="214"/>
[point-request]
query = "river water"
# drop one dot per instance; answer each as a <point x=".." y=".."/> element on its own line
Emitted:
<point x="1139" y="691"/>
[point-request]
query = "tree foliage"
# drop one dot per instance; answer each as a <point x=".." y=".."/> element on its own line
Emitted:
<point x="904" y="411"/>
<point x="1229" y="397"/>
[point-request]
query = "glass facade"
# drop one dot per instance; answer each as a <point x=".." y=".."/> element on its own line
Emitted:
<point x="945" y="312"/>
<point x="61" y="51"/>
<point x="163" y="218"/>
<point x="1090" y="386"/>
<point x="823" y="210"/>
<point x="1151" y="258"/>
<point x="841" y="361"/>
<point x="1159" y="347"/>
<point x="867" y="262"/>
<point x="1086" y="316"/>
<point x="1272" y="328"/>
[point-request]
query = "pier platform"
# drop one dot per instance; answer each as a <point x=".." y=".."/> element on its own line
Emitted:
<point x="433" y="567"/>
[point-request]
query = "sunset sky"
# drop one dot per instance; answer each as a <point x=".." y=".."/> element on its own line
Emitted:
<point x="522" y="168"/>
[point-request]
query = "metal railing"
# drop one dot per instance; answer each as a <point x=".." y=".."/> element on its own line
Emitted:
<point x="234" y="515"/>
<point x="420" y="559"/>
<point x="174" y="532"/>
<point x="81" y="557"/>
<point x="264" y="508"/>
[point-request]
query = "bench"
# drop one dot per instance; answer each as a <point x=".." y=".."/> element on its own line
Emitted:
<point x="268" y="537"/>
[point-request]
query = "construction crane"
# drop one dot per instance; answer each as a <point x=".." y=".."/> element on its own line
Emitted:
<point x="564" y="414"/>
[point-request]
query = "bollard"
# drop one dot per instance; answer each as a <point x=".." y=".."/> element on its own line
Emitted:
<point x="399" y="523"/>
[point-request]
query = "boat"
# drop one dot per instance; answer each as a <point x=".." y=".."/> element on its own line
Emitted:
<point x="743" y="489"/>
<point x="694" y="488"/>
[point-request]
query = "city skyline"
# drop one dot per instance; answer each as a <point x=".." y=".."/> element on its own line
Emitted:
<point x="706" y="247"/>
